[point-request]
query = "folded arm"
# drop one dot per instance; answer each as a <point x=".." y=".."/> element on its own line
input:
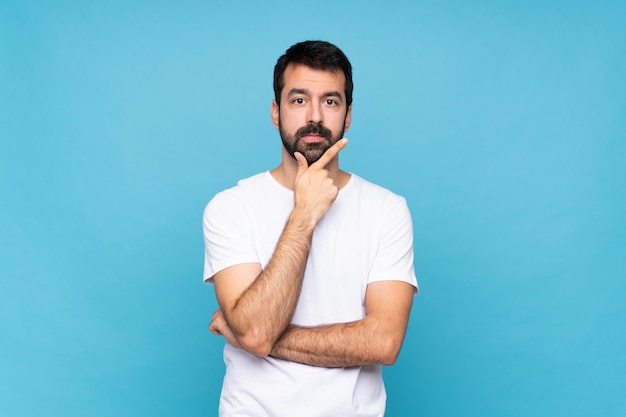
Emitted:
<point x="256" y="305"/>
<point x="376" y="339"/>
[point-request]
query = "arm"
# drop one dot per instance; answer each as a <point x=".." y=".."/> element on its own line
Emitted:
<point x="376" y="339"/>
<point x="257" y="305"/>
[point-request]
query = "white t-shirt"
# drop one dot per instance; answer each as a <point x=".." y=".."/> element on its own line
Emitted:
<point x="366" y="236"/>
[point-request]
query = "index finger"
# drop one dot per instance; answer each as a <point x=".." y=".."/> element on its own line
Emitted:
<point x="331" y="152"/>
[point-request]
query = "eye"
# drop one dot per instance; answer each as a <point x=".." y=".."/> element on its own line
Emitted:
<point x="331" y="102"/>
<point x="298" y="100"/>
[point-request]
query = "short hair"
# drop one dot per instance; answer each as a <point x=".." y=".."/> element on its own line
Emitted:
<point x="318" y="55"/>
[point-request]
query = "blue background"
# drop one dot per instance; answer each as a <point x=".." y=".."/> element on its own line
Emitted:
<point x="503" y="123"/>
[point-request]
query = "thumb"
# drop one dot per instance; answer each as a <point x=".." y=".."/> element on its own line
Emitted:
<point x="302" y="163"/>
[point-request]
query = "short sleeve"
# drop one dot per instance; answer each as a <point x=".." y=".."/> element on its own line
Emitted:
<point x="394" y="255"/>
<point x="228" y="234"/>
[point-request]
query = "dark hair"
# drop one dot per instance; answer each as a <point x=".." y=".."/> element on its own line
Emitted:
<point x="318" y="55"/>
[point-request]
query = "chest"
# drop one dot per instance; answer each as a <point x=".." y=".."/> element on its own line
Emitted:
<point x="343" y="249"/>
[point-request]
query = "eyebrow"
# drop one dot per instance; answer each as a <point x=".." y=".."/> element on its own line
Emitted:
<point x="333" y="93"/>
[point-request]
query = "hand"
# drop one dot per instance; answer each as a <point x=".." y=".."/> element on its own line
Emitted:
<point x="314" y="189"/>
<point x="219" y="326"/>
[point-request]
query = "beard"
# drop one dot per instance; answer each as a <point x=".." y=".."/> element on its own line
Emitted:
<point x="311" y="151"/>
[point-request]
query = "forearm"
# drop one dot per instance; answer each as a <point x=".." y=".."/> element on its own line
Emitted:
<point x="264" y="310"/>
<point x="258" y="305"/>
<point x="362" y="342"/>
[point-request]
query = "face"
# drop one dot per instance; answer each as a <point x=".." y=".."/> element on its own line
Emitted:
<point x="313" y="114"/>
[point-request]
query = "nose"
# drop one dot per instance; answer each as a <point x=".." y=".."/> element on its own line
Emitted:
<point x="315" y="113"/>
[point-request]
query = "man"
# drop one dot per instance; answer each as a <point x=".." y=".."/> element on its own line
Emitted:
<point x="312" y="265"/>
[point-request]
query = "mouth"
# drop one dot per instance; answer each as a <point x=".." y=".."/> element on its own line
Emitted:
<point x="313" y="134"/>
<point x="311" y="138"/>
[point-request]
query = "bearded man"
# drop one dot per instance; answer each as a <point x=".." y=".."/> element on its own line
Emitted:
<point x="312" y="265"/>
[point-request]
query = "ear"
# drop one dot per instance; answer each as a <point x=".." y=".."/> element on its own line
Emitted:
<point x="346" y="125"/>
<point x="275" y="112"/>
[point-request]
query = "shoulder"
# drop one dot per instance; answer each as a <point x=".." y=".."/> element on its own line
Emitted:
<point x="373" y="193"/>
<point x="233" y="209"/>
<point x="377" y="204"/>
<point x="238" y="194"/>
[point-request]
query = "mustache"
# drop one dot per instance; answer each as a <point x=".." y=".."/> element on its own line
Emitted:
<point x="314" y="129"/>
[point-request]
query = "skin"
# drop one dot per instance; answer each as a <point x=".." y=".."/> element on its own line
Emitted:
<point x="257" y="305"/>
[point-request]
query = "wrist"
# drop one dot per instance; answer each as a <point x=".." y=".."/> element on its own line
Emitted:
<point x="304" y="220"/>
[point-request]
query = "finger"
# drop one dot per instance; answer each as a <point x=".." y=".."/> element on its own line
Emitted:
<point x="302" y="163"/>
<point x="331" y="152"/>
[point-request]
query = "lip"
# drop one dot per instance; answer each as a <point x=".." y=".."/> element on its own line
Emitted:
<point x="312" y="138"/>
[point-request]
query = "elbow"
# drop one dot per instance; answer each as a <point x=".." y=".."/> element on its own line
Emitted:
<point x="255" y="345"/>
<point x="389" y="359"/>
<point x="390" y="351"/>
